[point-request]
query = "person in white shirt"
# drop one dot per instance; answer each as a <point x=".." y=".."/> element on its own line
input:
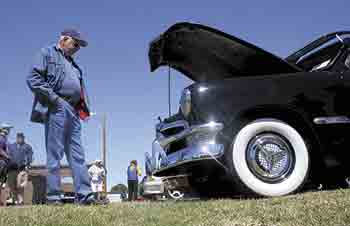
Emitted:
<point x="97" y="173"/>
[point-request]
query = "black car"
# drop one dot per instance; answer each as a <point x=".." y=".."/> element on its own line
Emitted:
<point x="252" y="119"/>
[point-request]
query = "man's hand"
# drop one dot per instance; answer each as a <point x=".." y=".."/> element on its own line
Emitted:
<point x="4" y="155"/>
<point x="138" y="170"/>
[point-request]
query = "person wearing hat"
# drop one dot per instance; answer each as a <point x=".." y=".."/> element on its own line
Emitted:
<point x="97" y="173"/>
<point x="133" y="174"/>
<point x="21" y="156"/>
<point x="4" y="160"/>
<point x="4" y="132"/>
<point x="60" y="102"/>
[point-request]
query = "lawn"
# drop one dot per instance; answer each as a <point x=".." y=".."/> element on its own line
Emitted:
<point x="313" y="208"/>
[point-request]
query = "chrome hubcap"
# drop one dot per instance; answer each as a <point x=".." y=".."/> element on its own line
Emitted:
<point x="175" y="194"/>
<point x="270" y="157"/>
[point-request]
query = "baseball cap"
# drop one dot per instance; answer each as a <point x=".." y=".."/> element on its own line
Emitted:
<point x="5" y="126"/>
<point x="73" y="33"/>
<point x="20" y="135"/>
<point x="97" y="161"/>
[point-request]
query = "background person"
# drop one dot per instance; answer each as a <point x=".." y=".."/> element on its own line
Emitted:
<point x="97" y="173"/>
<point x="133" y="174"/>
<point x="4" y="161"/>
<point x="21" y="155"/>
<point x="22" y="181"/>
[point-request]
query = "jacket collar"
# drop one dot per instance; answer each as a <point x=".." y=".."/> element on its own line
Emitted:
<point x="69" y="58"/>
<point x="58" y="49"/>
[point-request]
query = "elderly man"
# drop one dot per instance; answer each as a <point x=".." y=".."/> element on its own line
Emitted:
<point x="4" y="160"/>
<point x="21" y="155"/>
<point x="60" y="103"/>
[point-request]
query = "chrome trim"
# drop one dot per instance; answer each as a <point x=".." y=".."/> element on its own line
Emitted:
<point x="270" y="157"/>
<point x="332" y="120"/>
<point x="191" y="154"/>
<point x="164" y="126"/>
<point x="208" y="127"/>
<point x="158" y="155"/>
<point x="181" y="163"/>
<point x="161" y="160"/>
<point x="185" y="102"/>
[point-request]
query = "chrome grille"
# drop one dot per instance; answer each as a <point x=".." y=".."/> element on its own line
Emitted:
<point x="172" y="131"/>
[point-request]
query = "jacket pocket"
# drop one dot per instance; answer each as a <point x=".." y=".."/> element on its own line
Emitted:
<point x="55" y="75"/>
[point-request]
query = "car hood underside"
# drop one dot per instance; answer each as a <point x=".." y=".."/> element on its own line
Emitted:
<point x="204" y="54"/>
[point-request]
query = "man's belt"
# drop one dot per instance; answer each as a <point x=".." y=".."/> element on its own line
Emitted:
<point x="80" y="107"/>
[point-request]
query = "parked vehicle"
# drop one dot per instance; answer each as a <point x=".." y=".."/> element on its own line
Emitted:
<point x="161" y="188"/>
<point x="253" y="120"/>
<point x="152" y="187"/>
<point x="115" y="197"/>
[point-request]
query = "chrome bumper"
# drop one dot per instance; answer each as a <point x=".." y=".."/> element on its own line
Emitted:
<point x="194" y="151"/>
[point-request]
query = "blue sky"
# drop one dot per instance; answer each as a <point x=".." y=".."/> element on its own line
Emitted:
<point x="116" y="64"/>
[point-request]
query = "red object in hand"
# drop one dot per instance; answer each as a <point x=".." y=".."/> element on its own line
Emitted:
<point x="81" y="107"/>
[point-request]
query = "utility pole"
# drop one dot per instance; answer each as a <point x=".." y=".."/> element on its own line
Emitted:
<point x="169" y="90"/>
<point x="104" y="148"/>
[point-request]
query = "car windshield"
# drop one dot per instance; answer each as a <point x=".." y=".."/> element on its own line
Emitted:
<point x="322" y="53"/>
<point x="321" y="57"/>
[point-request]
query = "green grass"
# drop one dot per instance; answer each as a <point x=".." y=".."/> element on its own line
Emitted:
<point x="318" y="208"/>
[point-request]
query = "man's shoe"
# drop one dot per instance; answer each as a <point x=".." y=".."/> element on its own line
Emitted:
<point x="93" y="201"/>
<point x="90" y="200"/>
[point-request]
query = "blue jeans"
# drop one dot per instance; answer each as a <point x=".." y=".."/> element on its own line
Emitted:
<point x="63" y="136"/>
<point x="3" y="171"/>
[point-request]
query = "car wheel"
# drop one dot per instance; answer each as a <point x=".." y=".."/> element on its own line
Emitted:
<point x="175" y="194"/>
<point x="269" y="158"/>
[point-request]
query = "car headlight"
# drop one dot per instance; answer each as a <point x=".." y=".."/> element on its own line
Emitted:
<point x="201" y="138"/>
<point x="185" y="102"/>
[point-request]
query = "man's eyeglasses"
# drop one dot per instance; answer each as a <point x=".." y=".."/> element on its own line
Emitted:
<point x="76" y="43"/>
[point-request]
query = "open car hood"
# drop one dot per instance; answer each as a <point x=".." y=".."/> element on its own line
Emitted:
<point x="203" y="54"/>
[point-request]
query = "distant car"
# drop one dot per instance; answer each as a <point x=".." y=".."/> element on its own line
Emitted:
<point x="115" y="197"/>
<point x="152" y="187"/>
<point x="252" y="122"/>
<point x="160" y="188"/>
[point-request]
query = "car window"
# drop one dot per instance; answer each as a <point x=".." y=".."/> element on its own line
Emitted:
<point x="323" y="53"/>
<point x="320" y="57"/>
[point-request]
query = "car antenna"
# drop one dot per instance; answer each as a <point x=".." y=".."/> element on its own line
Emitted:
<point x="169" y="90"/>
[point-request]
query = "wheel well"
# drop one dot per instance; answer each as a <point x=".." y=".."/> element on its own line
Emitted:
<point x="290" y="117"/>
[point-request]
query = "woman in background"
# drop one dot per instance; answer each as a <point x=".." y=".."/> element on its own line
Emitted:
<point x="133" y="180"/>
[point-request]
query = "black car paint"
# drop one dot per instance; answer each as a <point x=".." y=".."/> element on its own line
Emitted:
<point x="236" y="95"/>
<point x="294" y="98"/>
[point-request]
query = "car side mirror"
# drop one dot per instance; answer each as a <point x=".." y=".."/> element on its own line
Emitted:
<point x="347" y="60"/>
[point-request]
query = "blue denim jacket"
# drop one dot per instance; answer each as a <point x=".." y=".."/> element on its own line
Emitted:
<point x="21" y="155"/>
<point x="45" y="80"/>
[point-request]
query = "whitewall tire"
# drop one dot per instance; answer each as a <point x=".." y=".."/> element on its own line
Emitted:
<point x="269" y="158"/>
